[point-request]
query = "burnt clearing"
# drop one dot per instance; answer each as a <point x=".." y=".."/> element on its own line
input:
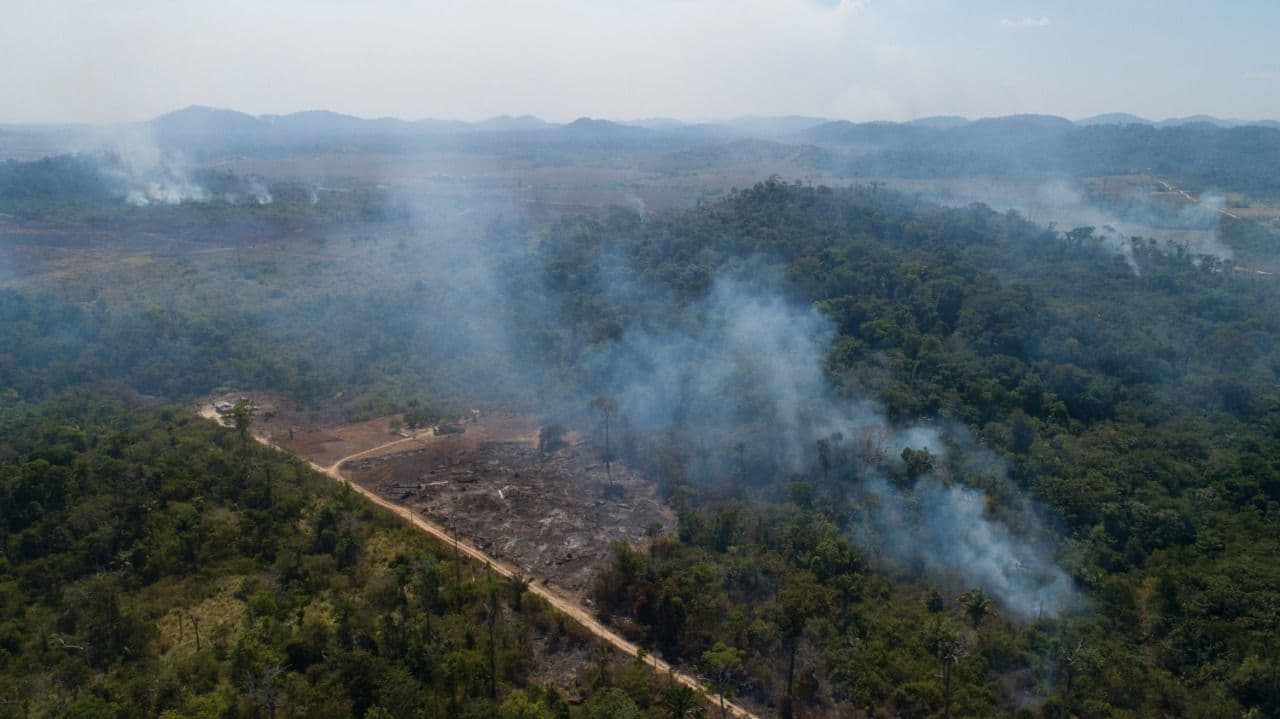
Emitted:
<point x="554" y="514"/>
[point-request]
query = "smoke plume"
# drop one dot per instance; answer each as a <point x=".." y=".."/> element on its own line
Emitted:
<point x="742" y="376"/>
<point x="1193" y="226"/>
<point x="946" y="530"/>
<point x="130" y="159"/>
<point x="142" y="173"/>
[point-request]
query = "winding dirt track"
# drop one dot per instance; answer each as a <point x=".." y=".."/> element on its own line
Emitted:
<point x="561" y="602"/>
<point x="1168" y="187"/>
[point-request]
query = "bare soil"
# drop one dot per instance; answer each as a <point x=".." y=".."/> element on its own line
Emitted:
<point x="327" y="446"/>
<point x="317" y="434"/>
<point x="555" y="515"/>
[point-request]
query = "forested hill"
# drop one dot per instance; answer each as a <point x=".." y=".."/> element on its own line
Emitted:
<point x="942" y="297"/>
<point x="1133" y="401"/>
<point x="155" y="564"/>
<point x="1106" y="413"/>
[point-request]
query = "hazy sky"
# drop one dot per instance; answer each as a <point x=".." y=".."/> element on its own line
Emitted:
<point x="112" y="60"/>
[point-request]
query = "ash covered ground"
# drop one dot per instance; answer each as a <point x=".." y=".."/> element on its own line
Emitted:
<point x="553" y="514"/>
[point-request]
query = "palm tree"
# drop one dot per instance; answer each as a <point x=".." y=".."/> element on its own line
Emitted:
<point x="950" y="649"/>
<point x="518" y="584"/>
<point x="680" y="701"/>
<point x="977" y="605"/>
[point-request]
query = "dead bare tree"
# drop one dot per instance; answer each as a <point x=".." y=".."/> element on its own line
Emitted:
<point x="607" y="407"/>
<point x="950" y="648"/>
<point x="260" y="685"/>
<point x="61" y="643"/>
<point x="195" y="626"/>
<point x="457" y="558"/>
<point x="493" y="645"/>
<point x="1073" y="658"/>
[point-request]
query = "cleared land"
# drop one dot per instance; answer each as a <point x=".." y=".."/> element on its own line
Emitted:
<point x="563" y="601"/>
<point x="555" y="514"/>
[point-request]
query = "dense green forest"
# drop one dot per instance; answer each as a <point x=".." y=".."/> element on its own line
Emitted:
<point x="1131" y="403"/>
<point x="158" y="565"/>
<point x="1137" y="408"/>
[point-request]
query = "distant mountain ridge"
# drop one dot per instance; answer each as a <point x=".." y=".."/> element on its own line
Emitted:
<point x="198" y="120"/>
<point x="940" y="122"/>
<point x="1113" y="118"/>
<point x="203" y="130"/>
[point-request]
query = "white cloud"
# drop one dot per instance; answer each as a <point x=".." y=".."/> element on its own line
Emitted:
<point x="1023" y="22"/>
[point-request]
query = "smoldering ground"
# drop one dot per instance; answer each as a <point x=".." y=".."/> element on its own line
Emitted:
<point x="1194" y="225"/>
<point x="135" y="167"/>
<point x="1150" y="211"/>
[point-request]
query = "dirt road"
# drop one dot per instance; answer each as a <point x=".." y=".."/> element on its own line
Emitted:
<point x="1168" y="187"/>
<point x="553" y="597"/>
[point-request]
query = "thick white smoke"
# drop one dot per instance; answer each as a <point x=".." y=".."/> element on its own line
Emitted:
<point x="147" y="175"/>
<point x="945" y="529"/>
<point x="746" y="357"/>
<point x="1195" y="226"/>
<point x="743" y="354"/>
<point x="253" y="192"/>
<point x="144" y="173"/>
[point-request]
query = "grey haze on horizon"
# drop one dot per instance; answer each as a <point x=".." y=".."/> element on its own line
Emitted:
<point x="94" y="61"/>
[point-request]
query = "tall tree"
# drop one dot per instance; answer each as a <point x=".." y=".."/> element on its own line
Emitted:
<point x="607" y="407"/>
<point x="800" y="598"/>
<point x="724" y="662"/>
<point x="949" y="647"/>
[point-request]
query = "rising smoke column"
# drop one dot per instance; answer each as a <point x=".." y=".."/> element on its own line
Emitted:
<point x="139" y="170"/>
<point x="147" y="175"/>
<point x="945" y="529"/>
<point x="747" y="356"/>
